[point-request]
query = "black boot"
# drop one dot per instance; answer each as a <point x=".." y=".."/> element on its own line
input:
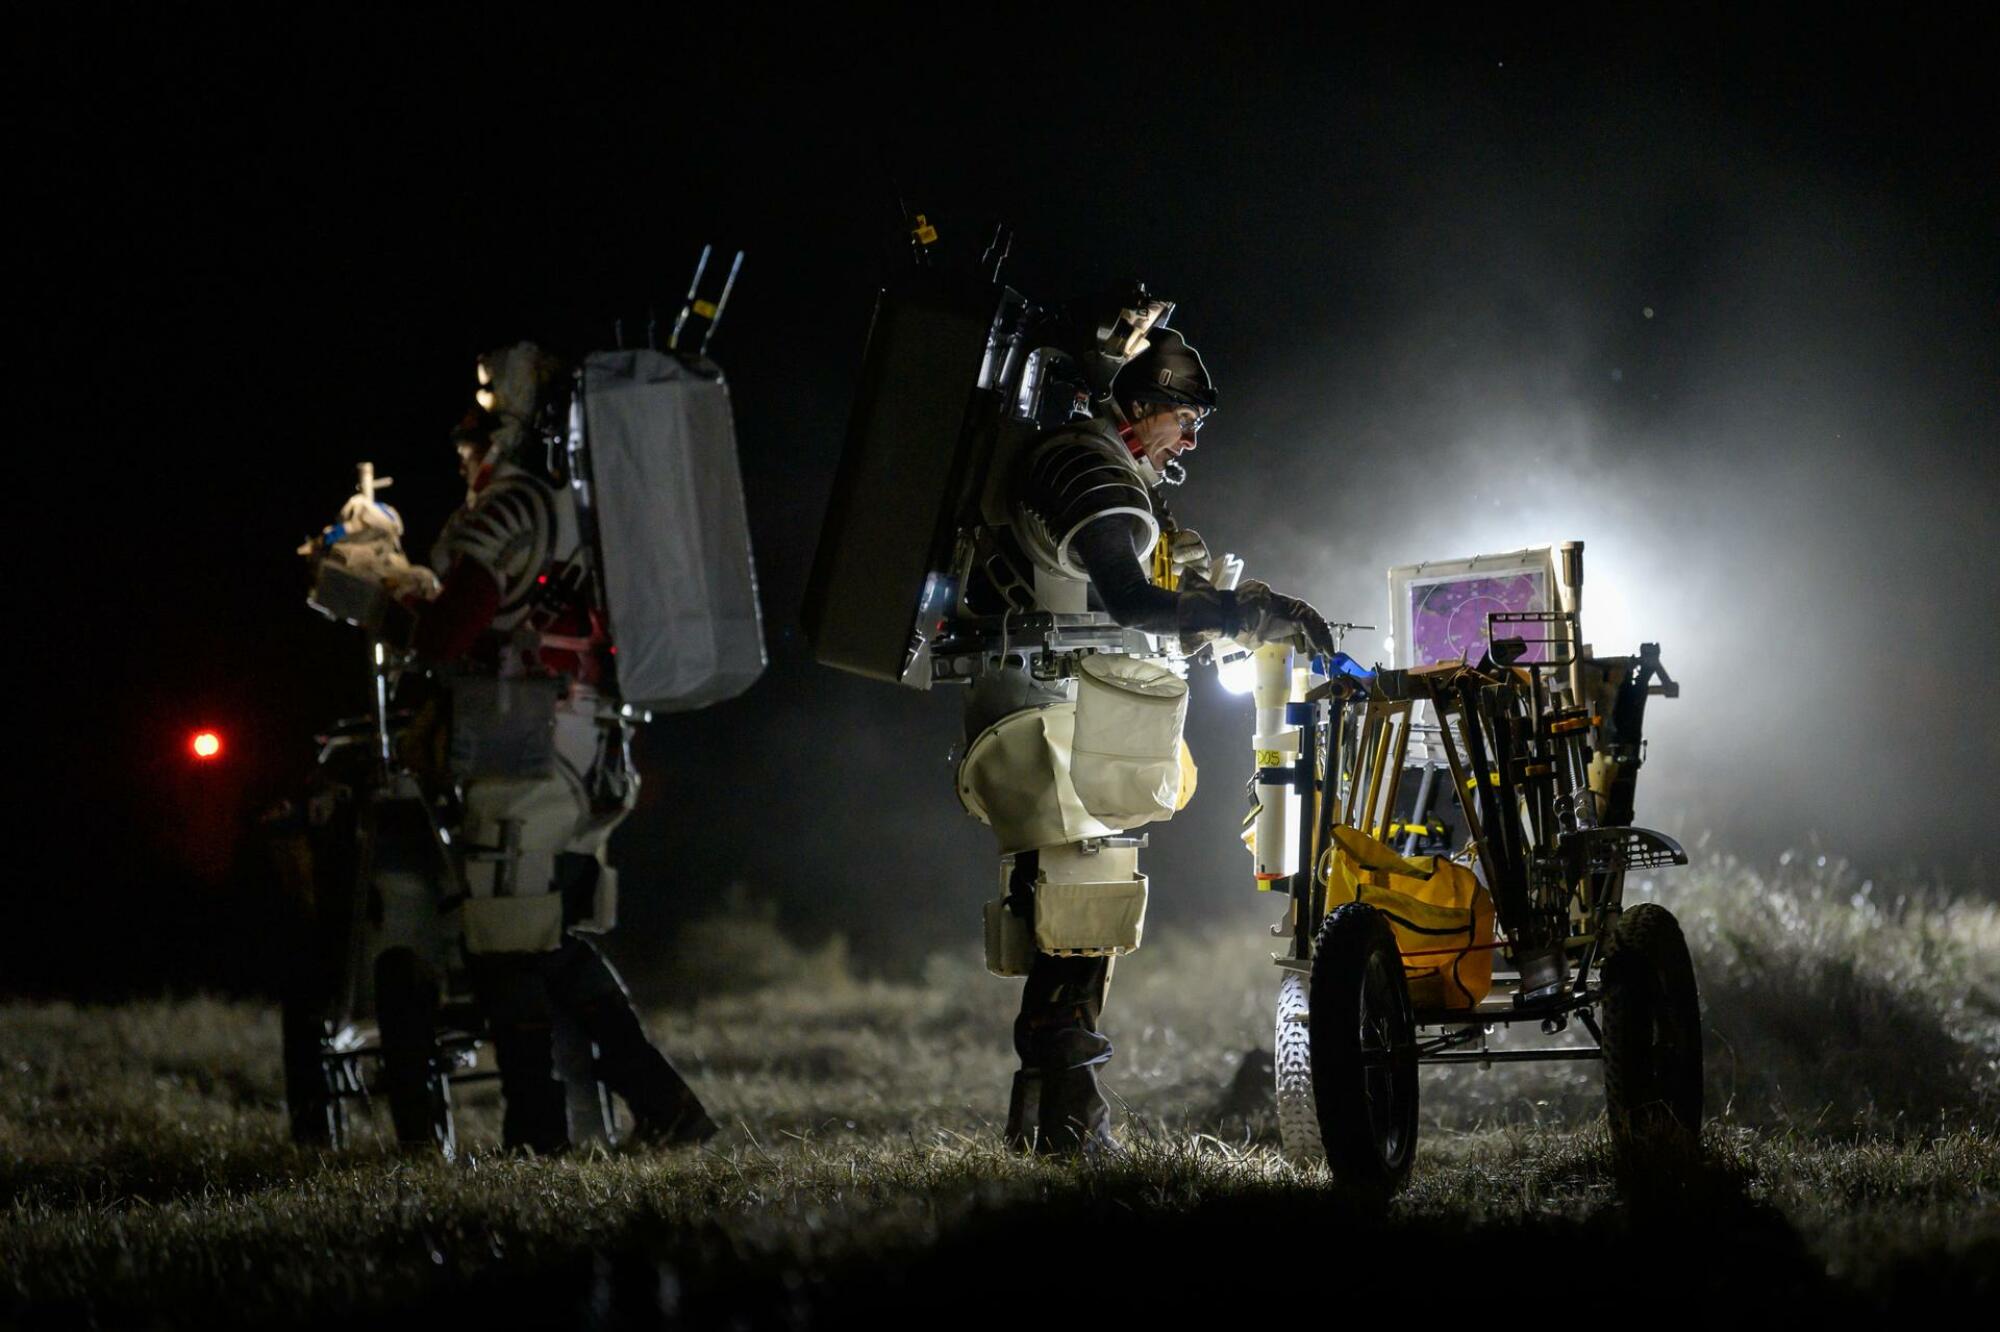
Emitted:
<point x="1060" y="1047"/>
<point x="511" y="989"/>
<point x="665" y="1110"/>
<point x="537" y="1115"/>
<point x="1024" y="1111"/>
<point x="1074" y="1116"/>
<point x="691" y="1128"/>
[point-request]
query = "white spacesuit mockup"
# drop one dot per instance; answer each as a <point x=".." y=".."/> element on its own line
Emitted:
<point x="1067" y="753"/>
<point x="541" y="765"/>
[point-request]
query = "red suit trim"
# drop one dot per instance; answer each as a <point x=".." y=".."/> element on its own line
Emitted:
<point x="450" y="625"/>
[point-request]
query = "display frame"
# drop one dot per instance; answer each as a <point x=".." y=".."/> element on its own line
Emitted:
<point x="1404" y="579"/>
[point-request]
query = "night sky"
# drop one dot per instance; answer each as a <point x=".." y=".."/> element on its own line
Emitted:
<point x="1719" y="301"/>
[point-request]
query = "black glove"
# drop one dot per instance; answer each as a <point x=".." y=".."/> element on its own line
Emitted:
<point x="1202" y="611"/>
<point x="1264" y="616"/>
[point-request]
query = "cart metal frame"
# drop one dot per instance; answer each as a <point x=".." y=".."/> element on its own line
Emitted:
<point x="1551" y="843"/>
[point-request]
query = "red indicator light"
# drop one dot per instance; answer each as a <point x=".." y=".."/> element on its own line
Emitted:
<point x="206" y="745"/>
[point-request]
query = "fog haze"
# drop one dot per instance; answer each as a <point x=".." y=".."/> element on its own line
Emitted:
<point x="1419" y="266"/>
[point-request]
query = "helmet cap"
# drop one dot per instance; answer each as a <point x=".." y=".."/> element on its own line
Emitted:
<point x="1167" y="371"/>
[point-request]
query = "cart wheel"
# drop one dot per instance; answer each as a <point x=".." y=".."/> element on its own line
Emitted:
<point x="1652" y="1030"/>
<point x="1363" y="1051"/>
<point x="413" y="1068"/>
<point x="317" y="1114"/>
<point x="1298" y="1122"/>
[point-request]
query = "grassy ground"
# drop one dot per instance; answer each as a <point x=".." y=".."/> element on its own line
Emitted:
<point x="1855" y="1056"/>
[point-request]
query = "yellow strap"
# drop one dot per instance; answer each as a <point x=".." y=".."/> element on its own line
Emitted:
<point x="704" y="309"/>
<point x="1164" y="573"/>
<point x="924" y="231"/>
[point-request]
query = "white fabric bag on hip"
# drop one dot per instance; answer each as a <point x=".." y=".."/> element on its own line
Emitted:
<point x="1015" y="778"/>
<point x="1125" y="759"/>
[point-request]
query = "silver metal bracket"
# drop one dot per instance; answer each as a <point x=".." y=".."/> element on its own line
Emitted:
<point x="1091" y="846"/>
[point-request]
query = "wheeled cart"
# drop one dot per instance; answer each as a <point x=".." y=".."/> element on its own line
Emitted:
<point x="376" y="1001"/>
<point x="1453" y="837"/>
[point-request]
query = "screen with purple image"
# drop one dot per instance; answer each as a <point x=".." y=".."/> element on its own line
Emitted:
<point x="1448" y="616"/>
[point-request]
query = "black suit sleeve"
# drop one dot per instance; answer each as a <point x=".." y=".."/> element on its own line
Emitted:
<point x="1104" y="548"/>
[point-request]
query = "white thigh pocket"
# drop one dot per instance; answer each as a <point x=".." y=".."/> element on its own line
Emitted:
<point x="530" y="924"/>
<point x="1009" y="950"/>
<point x="1090" y="919"/>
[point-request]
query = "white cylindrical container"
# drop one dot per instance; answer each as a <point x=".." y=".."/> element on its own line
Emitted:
<point x="1277" y="747"/>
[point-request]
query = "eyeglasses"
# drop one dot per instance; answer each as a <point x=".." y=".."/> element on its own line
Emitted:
<point x="1189" y="419"/>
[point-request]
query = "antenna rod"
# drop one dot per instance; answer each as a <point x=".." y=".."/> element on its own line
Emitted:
<point x="687" y="306"/>
<point x="722" y="301"/>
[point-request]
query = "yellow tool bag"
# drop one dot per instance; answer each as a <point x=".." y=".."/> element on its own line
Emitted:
<point x="1441" y="914"/>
